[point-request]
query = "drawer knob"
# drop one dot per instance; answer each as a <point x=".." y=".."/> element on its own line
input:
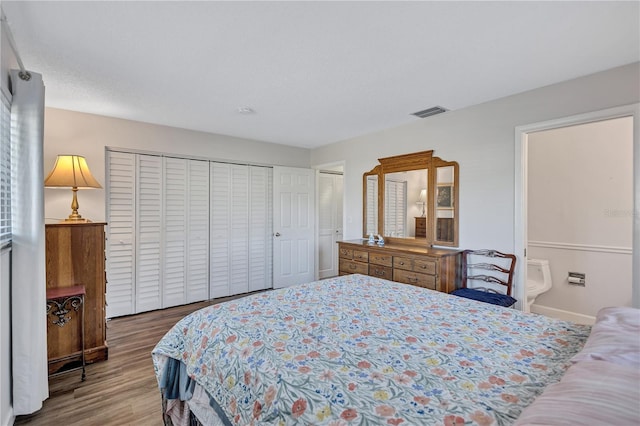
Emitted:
<point x="402" y="263"/>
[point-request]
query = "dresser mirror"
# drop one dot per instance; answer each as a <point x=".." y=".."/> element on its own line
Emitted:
<point x="412" y="199"/>
<point x="405" y="203"/>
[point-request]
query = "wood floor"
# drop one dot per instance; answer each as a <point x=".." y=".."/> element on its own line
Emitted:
<point x="120" y="391"/>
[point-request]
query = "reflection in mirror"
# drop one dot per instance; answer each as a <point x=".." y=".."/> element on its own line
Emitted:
<point x="412" y="199"/>
<point x="371" y="205"/>
<point x="404" y="204"/>
<point x="445" y="203"/>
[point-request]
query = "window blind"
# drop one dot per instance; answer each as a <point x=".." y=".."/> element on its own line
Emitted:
<point x="5" y="173"/>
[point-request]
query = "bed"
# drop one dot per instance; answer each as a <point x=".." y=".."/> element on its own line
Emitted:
<point x="359" y="350"/>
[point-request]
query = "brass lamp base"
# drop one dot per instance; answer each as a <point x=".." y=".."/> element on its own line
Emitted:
<point x="75" y="217"/>
<point x="75" y="220"/>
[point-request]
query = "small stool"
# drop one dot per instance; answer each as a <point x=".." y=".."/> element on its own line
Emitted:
<point x="60" y="301"/>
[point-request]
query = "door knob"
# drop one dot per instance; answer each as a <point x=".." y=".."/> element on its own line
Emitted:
<point x="277" y="234"/>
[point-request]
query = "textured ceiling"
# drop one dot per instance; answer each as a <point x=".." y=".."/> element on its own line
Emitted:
<point x="313" y="72"/>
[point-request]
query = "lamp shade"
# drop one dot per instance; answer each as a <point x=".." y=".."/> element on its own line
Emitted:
<point x="71" y="171"/>
<point x="423" y="195"/>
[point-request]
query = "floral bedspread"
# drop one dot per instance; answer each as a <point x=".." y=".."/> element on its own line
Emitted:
<point x="366" y="351"/>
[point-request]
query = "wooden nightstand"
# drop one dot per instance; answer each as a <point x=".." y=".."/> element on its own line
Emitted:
<point x="75" y="256"/>
<point x="421" y="227"/>
<point x="60" y="303"/>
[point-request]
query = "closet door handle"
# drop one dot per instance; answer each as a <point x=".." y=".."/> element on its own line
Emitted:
<point x="277" y="234"/>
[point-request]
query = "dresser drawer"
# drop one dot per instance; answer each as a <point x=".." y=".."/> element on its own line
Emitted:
<point x="405" y="263"/>
<point x="352" y="267"/>
<point x="425" y="266"/>
<point x="345" y="253"/>
<point x="379" y="271"/>
<point x="361" y="256"/>
<point x="381" y="259"/>
<point x="414" y="278"/>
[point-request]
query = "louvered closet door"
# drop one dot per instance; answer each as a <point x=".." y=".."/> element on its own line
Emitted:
<point x="372" y="205"/>
<point x="229" y="242"/>
<point x="149" y="193"/>
<point x="239" y="231"/>
<point x="220" y="223"/>
<point x="174" y="247"/>
<point x="121" y="186"/>
<point x="240" y="223"/>
<point x="395" y="208"/>
<point x="260" y="228"/>
<point x="198" y="231"/>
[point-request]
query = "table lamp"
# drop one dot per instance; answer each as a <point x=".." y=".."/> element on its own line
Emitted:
<point x="422" y="199"/>
<point x="71" y="171"/>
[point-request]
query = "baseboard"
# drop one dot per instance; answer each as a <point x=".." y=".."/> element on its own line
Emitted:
<point x="563" y="315"/>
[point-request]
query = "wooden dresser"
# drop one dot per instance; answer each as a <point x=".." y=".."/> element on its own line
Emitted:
<point x="432" y="268"/>
<point x="75" y="256"/>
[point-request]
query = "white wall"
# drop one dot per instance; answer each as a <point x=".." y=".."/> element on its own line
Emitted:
<point x="580" y="199"/>
<point x="481" y="140"/>
<point x="69" y="132"/>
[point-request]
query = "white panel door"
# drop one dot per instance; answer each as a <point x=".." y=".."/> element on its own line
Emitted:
<point x="121" y="185"/>
<point x="198" y="231"/>
<point x="175" y="232"/>
<point x="294" y="226"/>
<point x="329" y="223"/>
<point x="260" y="228"/>
<point x="220" y="222"/>
<point x="149" y="193"/>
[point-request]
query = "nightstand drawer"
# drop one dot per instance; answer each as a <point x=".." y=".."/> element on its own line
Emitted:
<point x="378" y="271"/>
<point x="352" y="267"/>
<point x="425" y="266"/>
<point x="381" y="259"/>
<point x="414" y="278"/>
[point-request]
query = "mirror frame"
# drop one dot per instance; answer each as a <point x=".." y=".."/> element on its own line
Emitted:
<point x="404" y="163"/>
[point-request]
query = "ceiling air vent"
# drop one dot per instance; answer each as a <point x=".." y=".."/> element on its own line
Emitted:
<point x="430" y="111"/>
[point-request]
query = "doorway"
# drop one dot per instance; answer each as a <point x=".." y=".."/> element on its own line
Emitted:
<point x="574" y="207"/>
<point x="330" y="220"/>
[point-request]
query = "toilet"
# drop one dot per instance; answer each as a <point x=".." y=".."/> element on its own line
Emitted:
<point x="538" y="279"/>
